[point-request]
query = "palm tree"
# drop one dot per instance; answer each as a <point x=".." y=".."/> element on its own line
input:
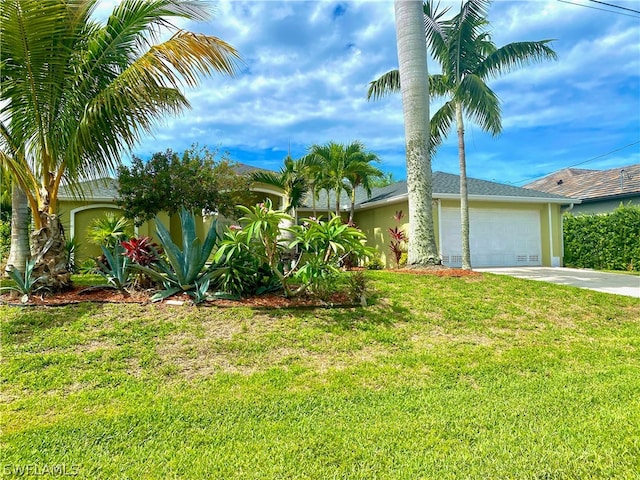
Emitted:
<point x="343" y="167"/>
<point x="468" y="58"/>
<point x="290" y="179"/>
<point x="412" y="58"/>
<point x="76" y="94"/>
<point x="362" y="174"/>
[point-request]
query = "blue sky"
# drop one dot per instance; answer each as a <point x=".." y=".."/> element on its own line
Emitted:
<point x="307" y="66"/>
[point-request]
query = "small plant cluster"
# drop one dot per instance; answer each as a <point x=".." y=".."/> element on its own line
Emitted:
<point x="254" y="257"/>
<point x="603" y="241"/>
<point x="397" y="246"/>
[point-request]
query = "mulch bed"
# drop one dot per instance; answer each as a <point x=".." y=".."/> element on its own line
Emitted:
<point x="79" y="294"/>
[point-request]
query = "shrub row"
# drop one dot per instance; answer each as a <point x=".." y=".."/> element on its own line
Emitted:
<point x="609" y="241"/>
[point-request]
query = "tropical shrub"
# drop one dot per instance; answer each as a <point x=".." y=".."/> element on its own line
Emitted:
<point x="243" y="272"/>
<point x="109" y="230"/>
<point x="398" y="240"/>
<point x="322" y="247"/>
<point x="603" y="241"/>
<point x="184" y="270"/>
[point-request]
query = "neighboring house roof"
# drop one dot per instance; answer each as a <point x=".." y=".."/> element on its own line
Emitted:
<point x="592" y="185"/>
<point x="444" y="186"/>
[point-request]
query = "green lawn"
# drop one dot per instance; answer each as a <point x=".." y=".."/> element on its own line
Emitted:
<point x="443" y="378"/>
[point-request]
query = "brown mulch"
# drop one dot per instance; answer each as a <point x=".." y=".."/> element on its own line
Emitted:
<point x="79" y="294"/>
<point x="440" y="271"/>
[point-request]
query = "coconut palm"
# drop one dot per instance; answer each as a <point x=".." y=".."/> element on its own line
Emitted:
<point x="468" y="58"/>
<point x="77" y="93"/>
<point x="412" y="58"/>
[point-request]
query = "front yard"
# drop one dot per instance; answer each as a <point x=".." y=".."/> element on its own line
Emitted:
<point x="447" y="378"/>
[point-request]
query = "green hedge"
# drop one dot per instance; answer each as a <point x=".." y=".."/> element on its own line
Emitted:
<point x="609" y="241"/>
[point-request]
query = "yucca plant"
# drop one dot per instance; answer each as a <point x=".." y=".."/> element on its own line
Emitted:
<point x="185" y="269"/>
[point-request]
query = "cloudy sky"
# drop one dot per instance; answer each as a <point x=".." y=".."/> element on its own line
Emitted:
<point x="307" y="65"/>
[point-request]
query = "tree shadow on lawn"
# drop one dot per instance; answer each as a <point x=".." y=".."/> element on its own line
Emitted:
<point x="19" y="327"/>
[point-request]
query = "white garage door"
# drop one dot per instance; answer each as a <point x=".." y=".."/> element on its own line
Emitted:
<point x="498" y="237"/>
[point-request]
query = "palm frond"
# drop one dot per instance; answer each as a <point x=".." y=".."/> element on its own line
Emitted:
<point x="481" y="104"/>
<point x="440" y="125"/>
<point x="386" y="84"/>
<point x="435" y="32"/>
<point x="268" y="178"/>
<point x="515" y="55"/>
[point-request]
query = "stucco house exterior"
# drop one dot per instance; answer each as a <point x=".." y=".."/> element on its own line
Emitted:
<point x="601" y="191"/>
<point x="509" y="226"/>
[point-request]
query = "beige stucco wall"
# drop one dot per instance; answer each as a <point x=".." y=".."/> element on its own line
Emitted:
<point x="375" y="223"/>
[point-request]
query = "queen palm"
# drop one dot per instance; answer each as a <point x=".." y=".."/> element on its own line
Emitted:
<point x="77" y="93"/>
<point x="468" y="58"/>
<point x="412" y="58"/>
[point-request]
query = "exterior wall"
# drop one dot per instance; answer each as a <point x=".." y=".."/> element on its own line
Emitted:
<point x="604" y="206"/>
<point x="76" y="216"/>
<point x="375" y="223"/>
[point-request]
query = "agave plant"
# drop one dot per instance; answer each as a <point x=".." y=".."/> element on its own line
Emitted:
<point x="117" y="267"/>
<point x="26" y="284"/>
<point x="185" y="269"/>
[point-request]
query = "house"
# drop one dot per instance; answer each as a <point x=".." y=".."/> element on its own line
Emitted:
<point x="98" y="198"/>
<point x="600" y="190"/>
<point x="509" y="226"/>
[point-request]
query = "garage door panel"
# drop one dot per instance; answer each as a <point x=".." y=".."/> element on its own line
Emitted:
<point x="498" y="237"/>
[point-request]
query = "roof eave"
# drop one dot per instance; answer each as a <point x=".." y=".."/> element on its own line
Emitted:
<point x="484" y="198"/>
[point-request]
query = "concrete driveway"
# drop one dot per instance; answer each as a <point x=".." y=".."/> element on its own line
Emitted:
<point x="617" y="283"/>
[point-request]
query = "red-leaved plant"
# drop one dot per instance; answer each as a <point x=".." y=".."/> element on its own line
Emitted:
<point x="141" y="250"/>
<point x="398" y="238"/>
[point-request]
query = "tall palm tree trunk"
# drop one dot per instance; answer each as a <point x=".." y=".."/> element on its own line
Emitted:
<point x="464" y="196"/>
<point x="19" y="253"/>
<point x="412" y="59"/>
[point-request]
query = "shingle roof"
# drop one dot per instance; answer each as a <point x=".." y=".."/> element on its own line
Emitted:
<point x="443" y="184"/>
<point x="591" y="184"/>
<point x="100" y="189"/>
